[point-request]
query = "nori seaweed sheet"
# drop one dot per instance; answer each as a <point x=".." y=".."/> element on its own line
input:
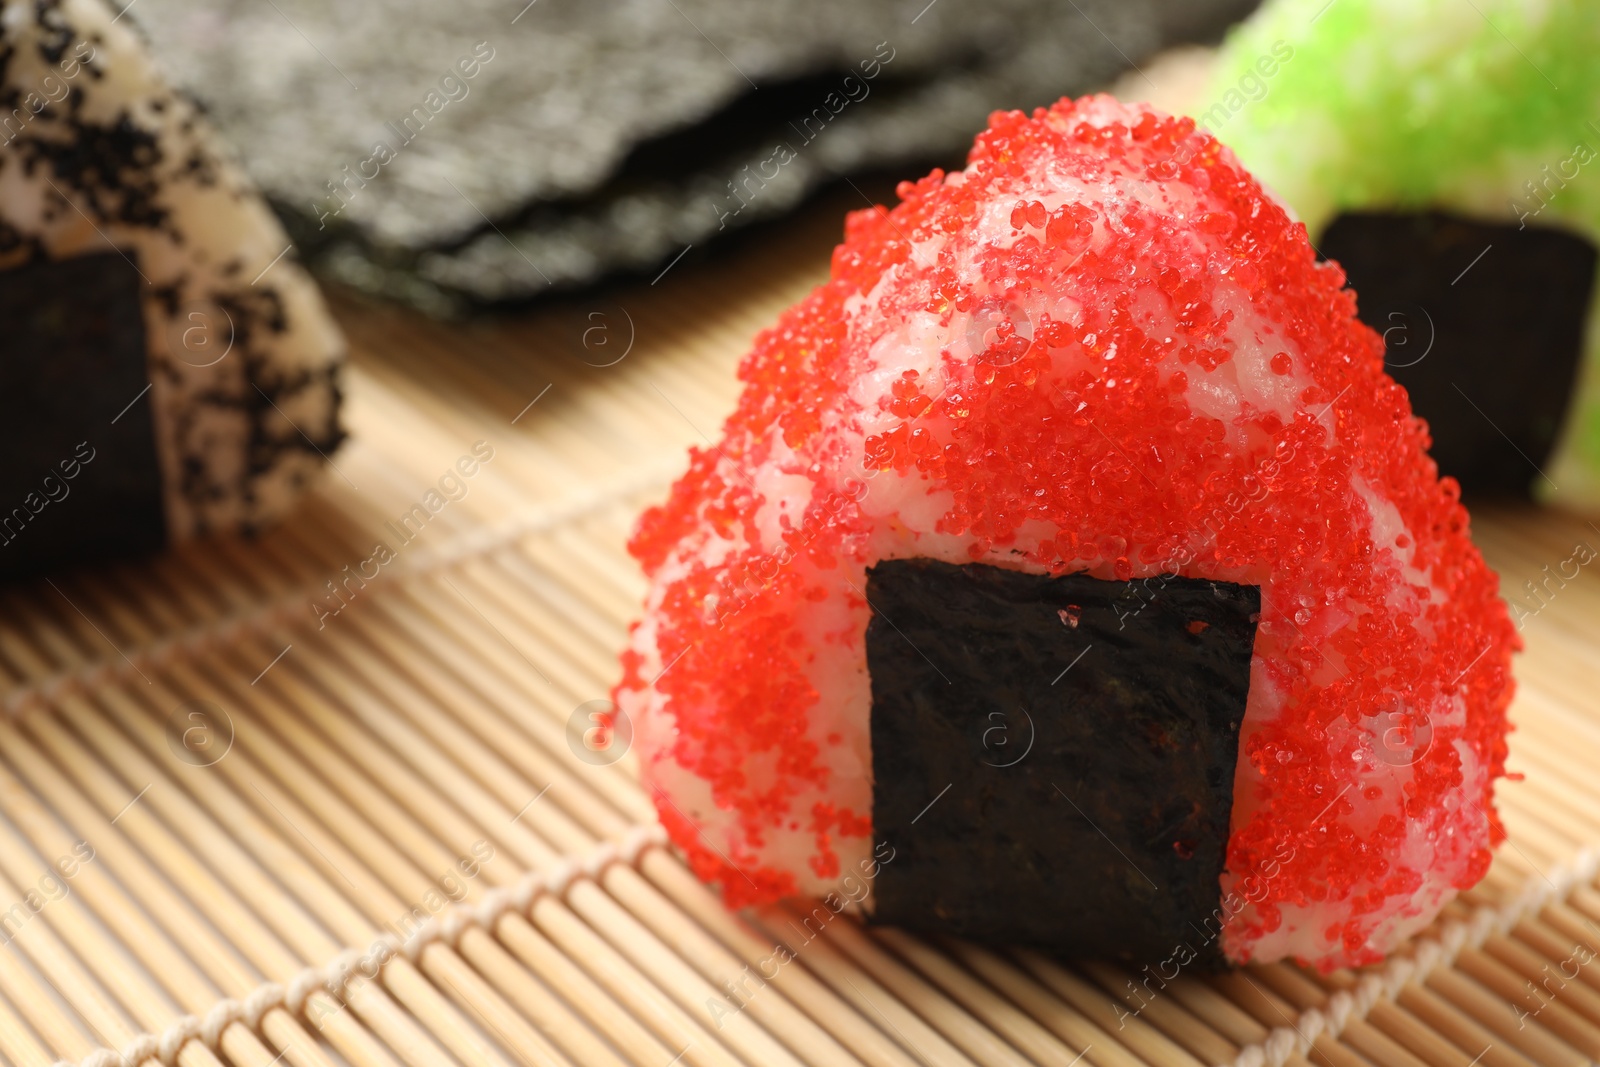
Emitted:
<point x="1505" y="330"/>
<point x="72" y="362"/>
<point x="1053" y="758"/>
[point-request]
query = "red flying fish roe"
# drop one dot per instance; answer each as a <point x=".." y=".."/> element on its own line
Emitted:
<point x="1102" y="347"/>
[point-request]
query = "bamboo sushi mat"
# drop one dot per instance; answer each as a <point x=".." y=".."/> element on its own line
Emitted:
<point x="236" y="827"/>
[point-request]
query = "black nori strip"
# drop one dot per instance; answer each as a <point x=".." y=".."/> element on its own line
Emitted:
<point x="1505" y="330"/>
<point x="72" y="360"/>
<point x="1053" y="758"/>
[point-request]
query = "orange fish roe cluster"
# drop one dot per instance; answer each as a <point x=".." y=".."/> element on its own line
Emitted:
<point x="1102" y="347"/>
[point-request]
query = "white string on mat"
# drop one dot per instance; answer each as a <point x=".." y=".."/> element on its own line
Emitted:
<point x="1416" y="961"/>
<point x="333" y="977"/>
<point x="1411" y="964"/>
<point x="264" y="619"/>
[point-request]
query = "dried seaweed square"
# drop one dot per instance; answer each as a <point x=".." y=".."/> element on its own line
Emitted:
<point x="1454" y="298"/>
<point x="1080" y="736"/>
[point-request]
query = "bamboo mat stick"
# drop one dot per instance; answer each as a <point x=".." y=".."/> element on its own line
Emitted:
<point x="1166" y="1014"/>
<point x="447" y="803"/>
<point x="1533" y="1038"/>
<point x="68" y="978"/>
<point x="1555" y="718"/>
<point x="1228" y="1018"/>
<point x="1556" y="671"/>
<point x="1505" y="982"/>
<point x="91" y="794"/>
<point x="1551" y="777"/>
<point x="1584" y="905"/>
<point x="372" y="1003"/>
<point x="675" y="976"/>
<point x="399" y="977"/>
<point x="21" y="658"/>
<point x="32" y="661"/>
<point x="372" y="837"/>
<point x="117" y="620"/>
<point x="93" y="1021"/>
<point x="56" y="625"/>
<point x="581" y="663"/>
<point x="674" y="882"/>
<point x="450" y="610"/>
<point x="1537" y="819"/>
<point x="555" y="440"/>
<point x="1429" y="1045"/>
<point x="468" y="989"/>
<point x="799" y="1012"/>
<point x="1570" y="920"/>
<point x="381" y="904"/>
<point x="621" y="973"/>
<point x="1536" y="942"/>
<point x="473" y="755"/>
<point x="191" y="598"/>
<point x="1358" y="1045"/>
<point x="218" y="825"/>
<point x="1557" y="769"/>
<point x="1272" y="1012"/>
<point x="196" y="993"/>
<point x="478" y="998"/>
<point x="276" y="569"/>
<point x="460" y="604"/>
<point x="583" y="563"/>
<point x="1461" y="1028"/>
<point x="1559" y="777"/>
<point x="1104" y="1046"/>
<point x="58" y="646"/>
<point x="1381" y="1045"/>
<point x="589" y="663"/>
<point x="18" y="1045"/>
<point x="937" y="1010"/>
<point x="631" y="1037"/>
<point x="231" y="588"/>
<point x="876" y="1004"/>
<point x="630" y="985"/>
<point x="1144" y="1039"/>
<point x="547" y="1014"/>
<point x="1242" y="994"/>
<point x="1486" y="1016"/>
<point x="224" y="911"/>
<point x="495" y="706"/>
<point x="1539" y="956"/>
<point x="492" y="815"/>
<point x="154" y="604"/>
<point x="145" y="1001"/>
<point x="1536" y="844"/>
<point x="613" y="581"/>
<point x="406" y="702"/>
<point x="500" y="592"/>
<point x="316" y="771"/>
<point x="515" y="640"/>
<point x="456" y="1032"/>
<point x="1441" y="1010"/>
<point x="11" y="684"/>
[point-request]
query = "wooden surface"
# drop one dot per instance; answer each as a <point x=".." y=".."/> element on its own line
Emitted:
<point x="412" y="748"/>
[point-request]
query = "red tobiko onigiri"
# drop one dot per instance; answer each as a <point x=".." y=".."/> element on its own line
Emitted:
<point x="1101" y="350"/>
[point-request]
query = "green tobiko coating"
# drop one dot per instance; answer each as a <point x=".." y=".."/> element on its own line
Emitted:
<point x="1489" y="108"/>
<point x="1412" y="104"/>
